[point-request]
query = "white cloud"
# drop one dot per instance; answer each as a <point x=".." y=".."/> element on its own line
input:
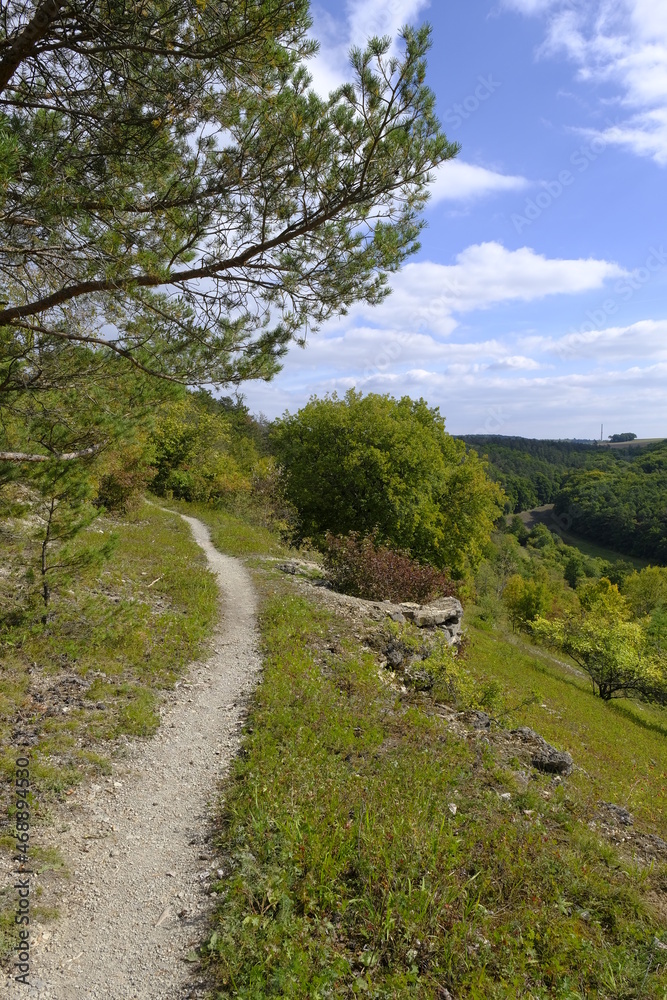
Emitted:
<point x="381" y="17"/>
<point x="427" y="295"/>
<point x="646" y="339"/>
<point x="367" y="351"/>
<point x="622" y="43"/>
<point x="405" y="345"/>
<point x="499" y="402"/>
<point x="456" y="180"/>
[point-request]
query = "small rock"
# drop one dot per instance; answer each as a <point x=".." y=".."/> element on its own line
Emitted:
<point x="544" y="756"/>
<point x="420" y="680"/>
<point x="478" y="720"/>
<point x="452" y="808"/>
<point x="505" y="796"/>
<point x="619" y="813"/>
<point x="394" y="657"/>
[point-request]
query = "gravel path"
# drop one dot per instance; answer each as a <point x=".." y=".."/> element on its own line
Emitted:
<point x="137" y="843"/>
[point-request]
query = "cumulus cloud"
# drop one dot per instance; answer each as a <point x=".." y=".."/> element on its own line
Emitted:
<point x="426" y="295"/>
<point x="456" y="180"/>
<point x="360" y="20"/>
<point x="548" y="405"/>
<point x="625" y="44"/>
<point x="406" y="346"/>
<point x="646" y="339"/>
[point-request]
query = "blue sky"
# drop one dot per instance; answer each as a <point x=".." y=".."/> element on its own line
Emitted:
<point x="538" y="302"/>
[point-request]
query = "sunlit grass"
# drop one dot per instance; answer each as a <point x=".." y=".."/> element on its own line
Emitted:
<point x="620" y="747"/>
<point x="348" y="872"/>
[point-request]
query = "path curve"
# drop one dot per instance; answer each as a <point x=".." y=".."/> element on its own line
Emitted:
<point x="137" y="843"/>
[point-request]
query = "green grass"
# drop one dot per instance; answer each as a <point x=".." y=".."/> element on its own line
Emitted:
<point x="596" y="551"/>
<point x="620" y="746"/>
<point x="232" y="534"/>
<point x="114" y="639"/>
<point x="347" y="874"/>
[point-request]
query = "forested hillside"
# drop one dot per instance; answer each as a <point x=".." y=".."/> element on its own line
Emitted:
<point x="531" y="471"/>
<point x="615" y="497"/>
<point x="623" y="505"/>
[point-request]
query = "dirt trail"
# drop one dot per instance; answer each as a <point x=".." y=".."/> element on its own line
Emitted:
<point x="136" y="844"/>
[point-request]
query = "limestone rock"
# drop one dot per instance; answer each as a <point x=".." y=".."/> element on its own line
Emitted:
<point x="544" y="757"/>
<point x="475" y="718"/>
<point x="618" y="814"/>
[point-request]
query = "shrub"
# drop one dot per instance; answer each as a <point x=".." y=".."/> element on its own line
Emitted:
<point x="124" y="480"/>
<point x="362" y="568"/>
<point x="373" y="463"/>
<point x="525" y="600"/>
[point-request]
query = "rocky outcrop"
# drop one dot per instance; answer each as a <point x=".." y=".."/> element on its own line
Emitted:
<point x="543" y="756"/>
<point x="444" y="614"/>
<point x="616" y="814"/>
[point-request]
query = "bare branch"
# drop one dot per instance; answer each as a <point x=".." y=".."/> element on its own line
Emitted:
<point x="69" y="456"/>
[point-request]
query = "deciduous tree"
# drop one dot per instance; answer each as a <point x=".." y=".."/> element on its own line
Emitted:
<point x="377" y="464"/>
<point x="616" y="652"/>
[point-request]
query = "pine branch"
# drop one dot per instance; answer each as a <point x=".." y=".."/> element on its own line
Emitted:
<point x="25" y="43"/>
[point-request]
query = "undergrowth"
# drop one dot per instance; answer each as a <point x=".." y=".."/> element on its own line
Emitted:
<point x="363" y="568"/>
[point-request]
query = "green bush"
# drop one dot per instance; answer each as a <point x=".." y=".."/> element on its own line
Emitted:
<point x="377" y="464"/>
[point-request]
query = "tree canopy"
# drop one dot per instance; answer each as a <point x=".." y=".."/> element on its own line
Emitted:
<point x="617" y="652"/>
<point x="175" y="196"/>
<point x="623" y="506"/>
<point x="377" y="464"/>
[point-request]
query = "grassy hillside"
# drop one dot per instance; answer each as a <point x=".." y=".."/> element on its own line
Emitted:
<point x="620" y="748"/>
<point x="368" y="848"/>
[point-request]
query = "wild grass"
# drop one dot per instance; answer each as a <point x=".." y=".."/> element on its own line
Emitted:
<point x="366" y="850"/>
<point x="231" y="533"/>
<point x="619" y="748"/>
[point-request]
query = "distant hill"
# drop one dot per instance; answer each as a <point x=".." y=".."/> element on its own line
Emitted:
<point x="614" y="495"/>
<point x="531" y="470"/>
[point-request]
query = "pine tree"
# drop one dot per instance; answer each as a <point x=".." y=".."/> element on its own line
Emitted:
<point x="174" y="195"/>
